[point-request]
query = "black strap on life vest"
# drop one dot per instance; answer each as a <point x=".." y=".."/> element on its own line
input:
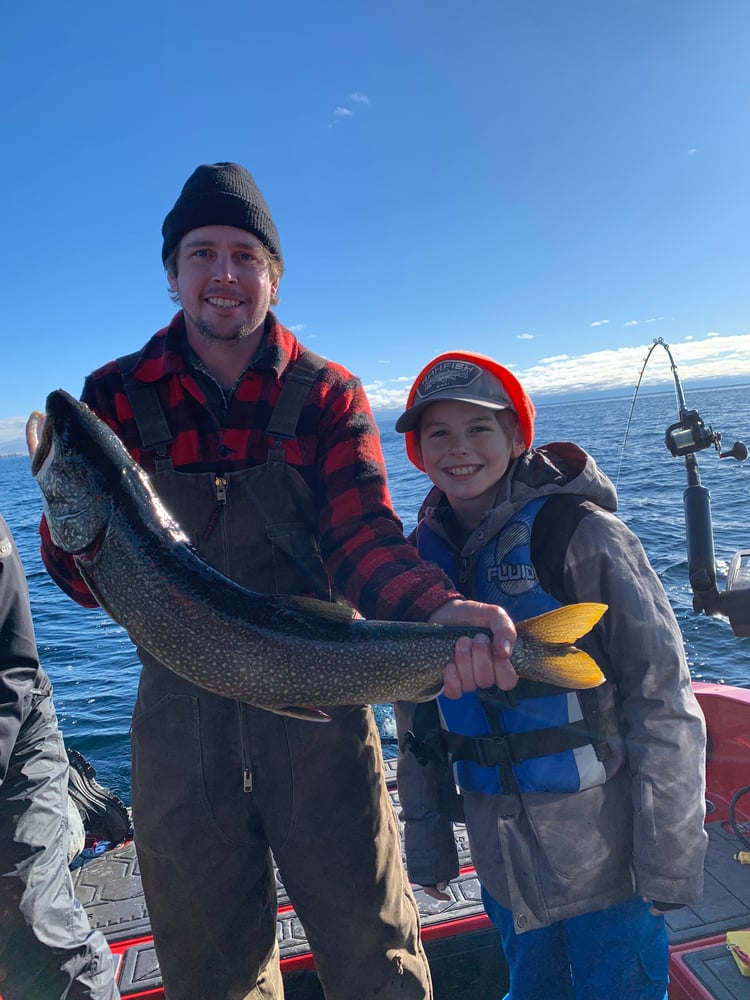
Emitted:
<point x="428" y="741"/>
<point x="554" y="525"/>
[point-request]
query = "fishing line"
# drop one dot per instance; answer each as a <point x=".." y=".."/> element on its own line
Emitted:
<point x="658" y="342"/>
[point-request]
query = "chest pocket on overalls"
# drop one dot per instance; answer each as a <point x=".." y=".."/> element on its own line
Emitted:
<point x="257" y="526"/>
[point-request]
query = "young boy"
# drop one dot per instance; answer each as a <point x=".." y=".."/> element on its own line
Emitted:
<point x="584" y="809"/>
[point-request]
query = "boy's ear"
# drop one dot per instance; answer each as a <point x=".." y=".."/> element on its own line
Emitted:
<point x="518" y="444"/>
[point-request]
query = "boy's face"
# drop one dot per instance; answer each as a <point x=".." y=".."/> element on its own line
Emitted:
<point x="466" y="451"/>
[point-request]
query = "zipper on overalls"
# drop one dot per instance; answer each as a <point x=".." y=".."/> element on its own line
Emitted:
<point x="247" y="772"/>
<point x="220" y="485"/>
<point x="220" y="490"/>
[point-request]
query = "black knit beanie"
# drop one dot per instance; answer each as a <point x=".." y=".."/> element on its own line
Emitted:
<point x="220" y="194"/>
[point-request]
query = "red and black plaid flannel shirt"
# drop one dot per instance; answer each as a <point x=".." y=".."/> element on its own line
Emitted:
<point x="337" y="451"/>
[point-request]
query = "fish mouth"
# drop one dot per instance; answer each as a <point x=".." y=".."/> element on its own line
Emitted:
<point x="38" y="439"/>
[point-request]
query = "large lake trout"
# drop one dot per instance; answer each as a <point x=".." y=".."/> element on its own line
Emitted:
<point x="285" y="654"/>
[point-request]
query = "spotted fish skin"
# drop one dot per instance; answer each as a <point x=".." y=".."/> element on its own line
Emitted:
<point x="275" y="652"/>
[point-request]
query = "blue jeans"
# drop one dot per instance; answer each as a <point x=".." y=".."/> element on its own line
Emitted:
<point x="619" y="952"/>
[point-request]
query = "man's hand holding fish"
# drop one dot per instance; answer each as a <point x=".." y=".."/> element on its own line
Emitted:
<point x="479" y="662"/>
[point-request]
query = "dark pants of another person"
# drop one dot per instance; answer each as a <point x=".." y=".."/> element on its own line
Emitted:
<point x="47" y="947"/>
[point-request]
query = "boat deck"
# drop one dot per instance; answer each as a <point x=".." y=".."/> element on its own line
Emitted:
<point x="464" y="950"/>
<point x="701" y="964"/>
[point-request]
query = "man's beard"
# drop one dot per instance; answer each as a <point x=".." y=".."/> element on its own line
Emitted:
<point x="208" y="330"/>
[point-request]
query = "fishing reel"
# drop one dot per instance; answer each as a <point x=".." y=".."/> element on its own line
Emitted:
<point x="690" y="434"/>
<point x="683" y="439"/>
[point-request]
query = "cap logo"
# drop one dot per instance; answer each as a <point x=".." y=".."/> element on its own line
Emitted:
<point x="449" y="374"/>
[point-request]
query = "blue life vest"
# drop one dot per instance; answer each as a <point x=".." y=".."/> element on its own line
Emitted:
<point x="502" y="573"/>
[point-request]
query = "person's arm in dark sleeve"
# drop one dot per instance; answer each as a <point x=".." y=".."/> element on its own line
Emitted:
<point x="19" y="661"/>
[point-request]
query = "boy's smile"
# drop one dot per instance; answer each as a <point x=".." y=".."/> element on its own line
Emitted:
<point x="466" y="451"/>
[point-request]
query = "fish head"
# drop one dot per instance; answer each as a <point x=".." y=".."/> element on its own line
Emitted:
<point x="66" y="461"/>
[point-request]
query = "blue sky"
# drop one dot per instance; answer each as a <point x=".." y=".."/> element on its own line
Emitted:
<point x="553" y="183"/>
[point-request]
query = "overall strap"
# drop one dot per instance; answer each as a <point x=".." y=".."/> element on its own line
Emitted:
<point x="286" y="413"/>
<point x="148" y="413"/>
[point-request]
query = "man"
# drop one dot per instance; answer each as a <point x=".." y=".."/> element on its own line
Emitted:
<point x="269" y="458"/>
<point x="47" y="948"/>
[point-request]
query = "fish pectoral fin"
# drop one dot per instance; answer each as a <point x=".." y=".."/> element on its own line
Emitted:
<point x="332" y="612"/>
<point x="570" y="667"/>
<point x="308" y="713"/>
<point x="430" y="692"/>
<point x="563" y="625"/>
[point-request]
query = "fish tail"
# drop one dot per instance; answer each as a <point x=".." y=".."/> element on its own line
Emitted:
<point x="564" y="624"/>
<point x="567" y="667"/>
<point x="551" y="635"/>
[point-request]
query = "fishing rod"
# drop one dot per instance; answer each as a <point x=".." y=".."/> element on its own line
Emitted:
<point x="683" y="439"/>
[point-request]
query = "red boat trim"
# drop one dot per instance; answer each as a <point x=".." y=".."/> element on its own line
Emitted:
<point x="451" y="928"/>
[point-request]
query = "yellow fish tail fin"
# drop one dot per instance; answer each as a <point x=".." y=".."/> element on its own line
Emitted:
<point x="551" y="638"/>
<point x="564" y="624"/>
<point x="571" y="669"/>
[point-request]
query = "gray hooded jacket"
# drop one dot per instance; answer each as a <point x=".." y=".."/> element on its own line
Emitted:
<point x="550" y="856"/>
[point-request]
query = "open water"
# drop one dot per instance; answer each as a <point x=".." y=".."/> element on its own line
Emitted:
<point x="95" y="671"/>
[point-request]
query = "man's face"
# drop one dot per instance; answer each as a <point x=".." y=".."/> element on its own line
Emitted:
<point x="224" y="283"/>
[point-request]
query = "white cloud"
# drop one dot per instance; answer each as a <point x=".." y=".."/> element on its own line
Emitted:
<point x="525" y="336"/>
<point x="600" y="322"/>
<point x="12" y="431"/>
<point x="610" y="370"/>
<point x="342" y="113"/>
<point x="639" y="322"/>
